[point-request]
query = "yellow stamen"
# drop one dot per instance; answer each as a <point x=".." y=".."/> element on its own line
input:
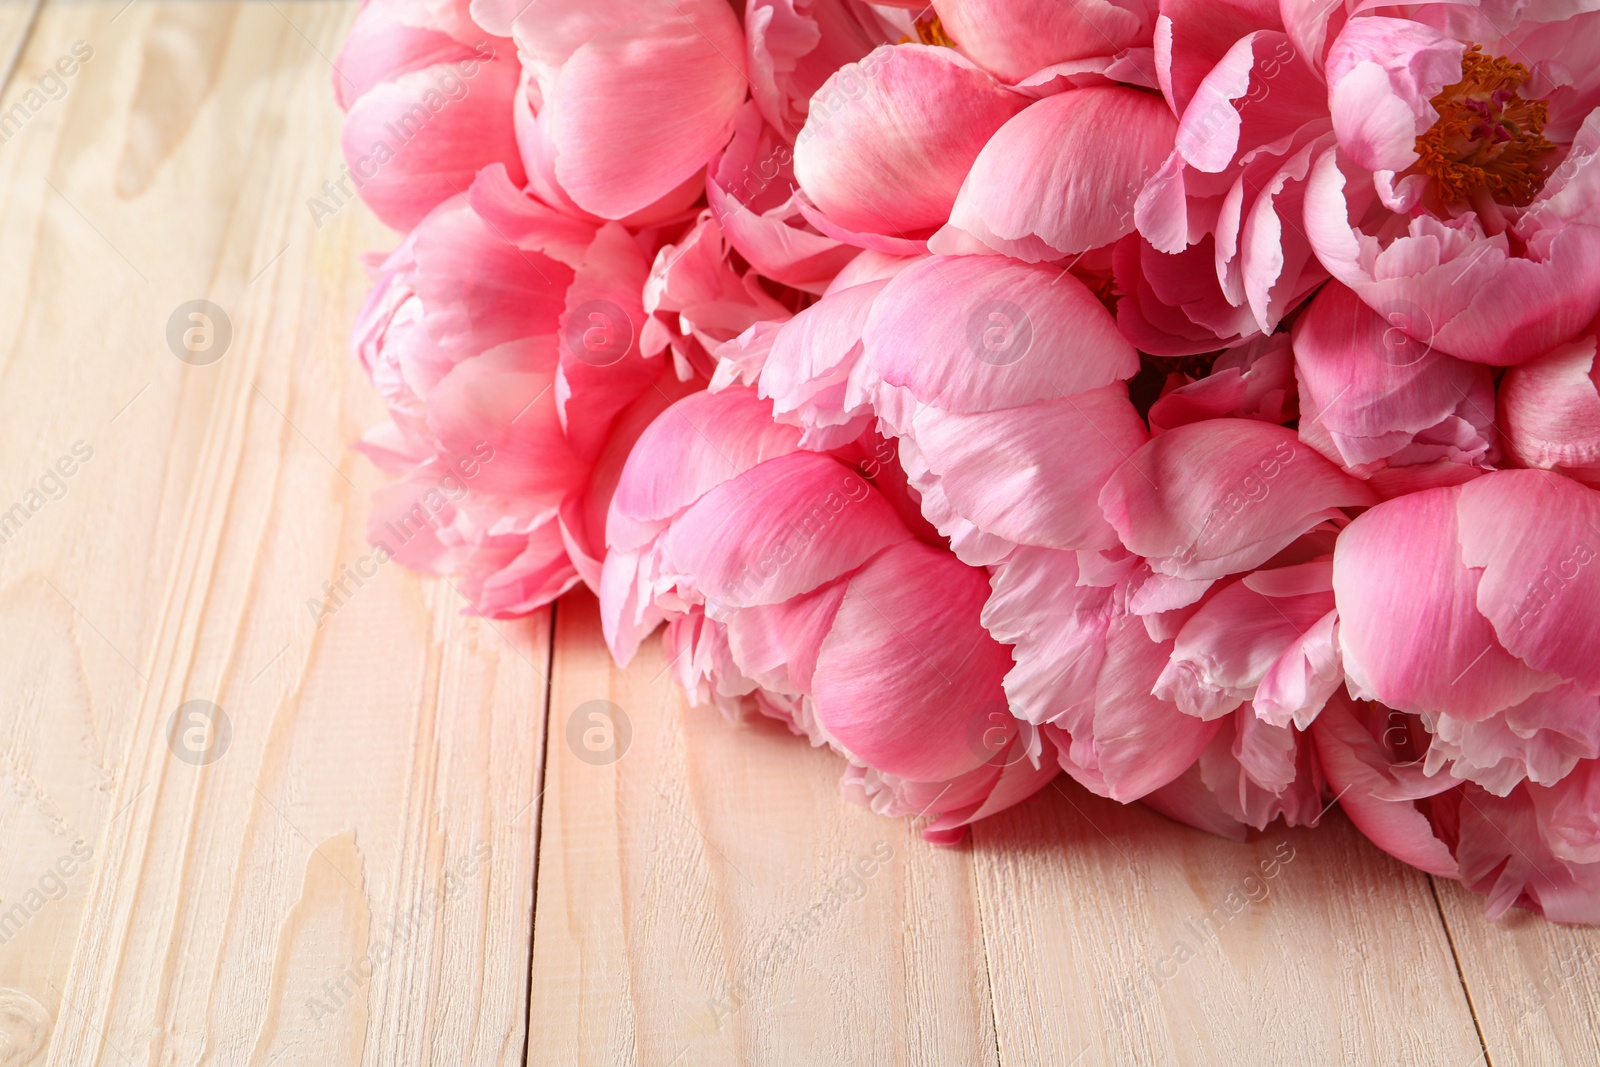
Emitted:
<point x="1488" y="140"/>
<point x="930" y="31"/>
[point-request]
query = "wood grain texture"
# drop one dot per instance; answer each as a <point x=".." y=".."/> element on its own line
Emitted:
<point x="1535" y="986"/>
<point x="342" y="875"/>
<point x="365" y="867"/>
<point x="709" y="898"/>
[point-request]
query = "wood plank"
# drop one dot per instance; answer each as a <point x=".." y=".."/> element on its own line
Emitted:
<point x="1115" y="936"/>
<point x="1534" y="985"/>
<point x="696" y="900"/>
<point x="348" y="880"/>
<point x="16" y="20"/>
<point x="668" y="878"/>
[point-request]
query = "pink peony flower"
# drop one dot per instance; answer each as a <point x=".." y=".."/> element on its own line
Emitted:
<point x="428" y="95"/>
<point x="1454" y="607"/>
<point x="1384" y="406"/>
<point x="1459" y="199"/>
<point x="503" y="337"/>
<point x="789" y="577"/>
<point x="1535" y="846"/>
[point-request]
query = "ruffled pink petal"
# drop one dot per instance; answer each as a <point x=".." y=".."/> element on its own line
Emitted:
<point x="781" y="529"/>
<point x="976" y="333"/>
<point x="1362" y="776"/>
<point x="889" y="139"/>
<point x="642" y="107"/>
<point x="1375" y="396"/>
<point x="602" y="368"/>
<point x="1056" y="626"/>
<point x="1172" y="305"/>
<point x="812" y="359"/>
<point x="1550" y="411"/>
<point x="794" y="45"/>
<point x="1213" y="498"/>
<point x="1048" y="185"/>
<point x="1032" y="475"/>
<point x="1382" y="75"/>
<point x="1193" y="36"/>
<point x="1136" y="742"/>
<point x="1539" y="740"/>
<point x="777" y="644"/>
<point x="499" y="409"/>
<point x="1463" y="293"/>
<point x="1569" y="814"/>
<point x="1259" y="772"/>
<point x="1536" y="538"/>
<point x="697" y="444"/>
<point x="1301" y="680"/>
<point x="907" y="672"/>
<point x="1225" y="650"/>
<point x="1253" y="381"/>
<point x="1410" y="631"/>
<point x="1503" y="855"/>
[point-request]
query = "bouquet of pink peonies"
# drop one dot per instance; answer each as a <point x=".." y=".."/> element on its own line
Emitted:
<point x="1197" y="397"/>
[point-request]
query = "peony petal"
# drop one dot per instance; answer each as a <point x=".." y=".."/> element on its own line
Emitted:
<point x="1047" y="184"/>
<point x="781" y="529"/>
<point x="1212" y="498"/>
<point x="1015" y="38"/>
<point x="1550" y="409"/>
<point x="907" y="672"/>
<point x="695" y="445"/>
<point x="1358" y="772"/>
<point x="1410" y="631"/>
<point x="1536" y="537"/>
<point x="889" y="139"/>
<point x="975" y="333"/>
<point x="641" y="107"/>
<point x="1032" y="475"/>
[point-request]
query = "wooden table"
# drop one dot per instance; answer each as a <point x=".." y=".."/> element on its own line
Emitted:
<point x="385" y="850"/>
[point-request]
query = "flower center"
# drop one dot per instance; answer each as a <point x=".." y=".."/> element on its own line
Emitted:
<point x="1488" y="141"/>
<point x="930" y="31"/>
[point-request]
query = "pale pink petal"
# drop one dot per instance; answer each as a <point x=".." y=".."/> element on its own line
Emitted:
<point x="1136" y="742"/>
<point x="1253" y="381"/>
<point x="697" y="444"/>
<point x="907" y="671"/>
<point x="1550" y="411"/>
<point x="781" y="529"/>
<point x="1410" y="631"/>
<point x="1048" y="185"/>
<point x="1374" y="396"/>
<point x="777" y="644"/>
<point x="1057" y="629"/>
<point x="1539" y="740"/>
<point x="975" y="333"/>
<point x="1216" y="497"/>
<point x="1536" y="538"/>
<point x="1032" y="475"/>
<point x="1015" y="38"/>
<point x="748" y="188"/>
<point x="1569" y="814"/>
<point x="1382" y="75"/>
<point x="642" y="107"/>
<point x="1361" y="774"/>
<point x="1226" y="648"/>
<point x="889" y="139"/>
